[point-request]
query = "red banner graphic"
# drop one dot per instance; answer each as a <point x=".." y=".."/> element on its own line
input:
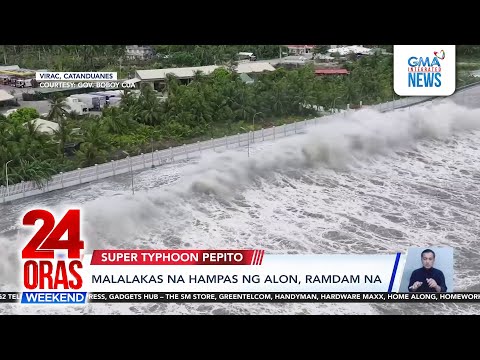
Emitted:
<point x="177" y="257"/>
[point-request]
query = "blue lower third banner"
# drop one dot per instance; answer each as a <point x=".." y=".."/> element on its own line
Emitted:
<point x="64" y="297"/>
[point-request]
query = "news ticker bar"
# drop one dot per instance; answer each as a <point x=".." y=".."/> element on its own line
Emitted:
<point x="232" y="297"/>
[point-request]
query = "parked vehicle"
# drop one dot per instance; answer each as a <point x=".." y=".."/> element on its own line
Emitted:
<point x="246" y="56"/>
<point x="93" y="102"/>
<point x="4" y="79"/>
<point x="75" y="105"/>
<point x="22" y="83"/>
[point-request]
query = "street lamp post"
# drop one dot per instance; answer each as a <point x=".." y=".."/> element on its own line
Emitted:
<point x="253" y="123"/>
<point x="131" y="169"/>
<point x="6" y="174"/>
<point x="152" y="155"/>
<point x="248" y="142"/>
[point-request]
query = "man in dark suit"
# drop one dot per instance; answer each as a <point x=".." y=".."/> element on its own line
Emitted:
<point x="427" y="278"/>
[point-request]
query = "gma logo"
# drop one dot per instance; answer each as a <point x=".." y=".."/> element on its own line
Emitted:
<point x="415" y="61"/>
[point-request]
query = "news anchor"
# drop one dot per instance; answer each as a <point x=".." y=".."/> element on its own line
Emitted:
<point x="427" y="278"/>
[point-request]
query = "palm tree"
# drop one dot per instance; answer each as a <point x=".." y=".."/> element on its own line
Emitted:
<point x="37" y="143"/>
<point x="32" y="130"/>
<point x="171" y="84"/>
<point x="89" y="154"/>
<point x="94" y="133"/>
<point x="88" y="56"/>
<point x="35" y="170"/>
<point x="243" y="103"/>
<point x="116" y="121"/>
<point x="277" y="98"/>
<point x="128" y="100"/>
<point x="63" y="134"/>
<point x="58" y="108"/>
<point x="149" y="110"/>
<point x="198" y="76"/>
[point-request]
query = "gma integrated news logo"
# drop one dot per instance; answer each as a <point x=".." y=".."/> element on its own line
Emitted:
<point x="424" y="70"/>
<point x="52" y="259"/>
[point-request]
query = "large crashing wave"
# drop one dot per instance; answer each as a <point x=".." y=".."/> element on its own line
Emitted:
<point x="336" y="143"/>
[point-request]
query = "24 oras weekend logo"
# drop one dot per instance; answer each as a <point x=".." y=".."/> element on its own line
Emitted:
<point x="52" y="259"/>
<point x="424" y="70"/>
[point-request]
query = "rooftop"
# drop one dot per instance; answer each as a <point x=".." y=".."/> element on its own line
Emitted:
<point x="246" y="79"/>
<point x="5" y="96"/>
<point x="332" y="72"/>
<point x="354" y="49"/>
<point x="161" y="74"/>
<point x="189" y="72"/>
<point x="300" y="46"/>
<point x="45" y="126"/>
<point x="253" y="67"/>
<point x="9" y="67"/>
